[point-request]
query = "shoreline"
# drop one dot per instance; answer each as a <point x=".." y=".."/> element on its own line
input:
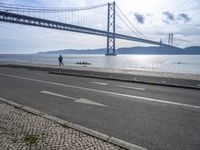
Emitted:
<point x="188" y="76"/>
<point x="144" y="64"/>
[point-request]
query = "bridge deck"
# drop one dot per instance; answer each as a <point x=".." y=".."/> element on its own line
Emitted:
<point x="32" y="21"/>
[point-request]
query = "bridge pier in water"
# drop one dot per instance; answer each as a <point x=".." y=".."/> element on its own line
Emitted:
<point x="111" y="30"/>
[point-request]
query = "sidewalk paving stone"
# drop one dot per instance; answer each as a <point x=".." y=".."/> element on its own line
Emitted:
<point x="20" y="130"/>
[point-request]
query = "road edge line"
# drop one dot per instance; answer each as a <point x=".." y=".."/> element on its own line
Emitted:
<point x="59" y="72"/>
<point x="64" y="123"/>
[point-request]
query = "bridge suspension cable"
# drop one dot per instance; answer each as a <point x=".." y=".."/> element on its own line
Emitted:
<point x="129" y="24"/>
<point x="91" y="20"/>
<point x="33" y="9"/>
<point x="90" y="16"/>
<point x="23" y="8"/>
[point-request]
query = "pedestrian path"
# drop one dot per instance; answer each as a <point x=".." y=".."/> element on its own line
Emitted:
<point x="20" y="130"/>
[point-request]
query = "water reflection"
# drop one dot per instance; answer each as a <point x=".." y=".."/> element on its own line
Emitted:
<point x="162" y="63"/>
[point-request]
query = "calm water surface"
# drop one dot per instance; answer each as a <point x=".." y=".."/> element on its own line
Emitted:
<point x="163" y="63"/>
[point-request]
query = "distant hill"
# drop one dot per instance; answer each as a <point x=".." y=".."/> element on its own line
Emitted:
<point x="194" y="50"/>
<point x="75" y="51"/>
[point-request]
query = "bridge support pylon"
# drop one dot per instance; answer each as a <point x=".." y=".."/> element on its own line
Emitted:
<point x="111" y="30"/>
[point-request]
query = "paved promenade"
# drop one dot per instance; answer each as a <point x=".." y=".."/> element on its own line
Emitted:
<point x="20" y="130"/>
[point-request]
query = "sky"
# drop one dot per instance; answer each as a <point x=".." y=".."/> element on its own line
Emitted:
<point x="154" y="18"/>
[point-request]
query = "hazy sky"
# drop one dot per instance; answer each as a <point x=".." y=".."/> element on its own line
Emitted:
<point x="155" y="18"/>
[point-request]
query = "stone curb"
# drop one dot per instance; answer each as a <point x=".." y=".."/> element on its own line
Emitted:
<point x="79" y="128"/>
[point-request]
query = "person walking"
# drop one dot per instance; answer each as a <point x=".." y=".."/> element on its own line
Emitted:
<point x="60" y="59"/>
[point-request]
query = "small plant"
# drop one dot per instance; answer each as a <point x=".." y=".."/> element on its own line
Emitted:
<point x="14" y="140"/>
<point x="30" y="139"/>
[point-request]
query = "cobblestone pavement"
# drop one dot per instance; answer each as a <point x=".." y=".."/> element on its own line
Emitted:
<point x="20" y="130"/>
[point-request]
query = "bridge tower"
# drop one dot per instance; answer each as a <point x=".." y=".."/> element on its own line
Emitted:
<point x="171" y="39"/>
<point x="111" y="30"/>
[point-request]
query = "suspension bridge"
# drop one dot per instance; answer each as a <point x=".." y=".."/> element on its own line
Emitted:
<point x="106" y="20"/>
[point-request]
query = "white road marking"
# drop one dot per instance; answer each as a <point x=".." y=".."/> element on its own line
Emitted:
<point x="121" y="86"/>
<point x="86" y="101"/>
<point x="129" y="87"/>
<point x="163" y="81"/>
<point x="81" y="100"/>
<point x="100" y="83"/>
<point x="58" y="95"/>
<point x="105" y="92"/>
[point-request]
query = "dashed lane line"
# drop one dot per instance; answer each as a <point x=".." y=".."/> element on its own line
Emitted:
<point x="129" y="87"/>
<point x="100" y="83"/>
<point x="121" y="86"/>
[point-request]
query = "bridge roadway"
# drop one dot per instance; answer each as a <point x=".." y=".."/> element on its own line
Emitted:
<point x="154" y="117"/>
<point x="38" y="22"/>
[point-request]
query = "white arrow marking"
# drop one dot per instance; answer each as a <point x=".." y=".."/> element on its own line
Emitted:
<point x="100" y="83"/>
<point x="81" y="100"/>
<point x="58" y="95"/>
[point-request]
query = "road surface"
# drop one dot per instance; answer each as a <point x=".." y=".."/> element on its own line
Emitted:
<point x="154" y="117"/>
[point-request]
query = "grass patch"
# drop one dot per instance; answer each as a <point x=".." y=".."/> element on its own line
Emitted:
<point x="30" y="139"/>
<point x="14" y="140"/>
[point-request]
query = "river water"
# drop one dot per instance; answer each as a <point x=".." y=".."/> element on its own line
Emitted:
<point x="161" y="63"/>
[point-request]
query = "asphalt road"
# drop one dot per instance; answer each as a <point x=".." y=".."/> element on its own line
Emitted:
<point x="154" y="117"/>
